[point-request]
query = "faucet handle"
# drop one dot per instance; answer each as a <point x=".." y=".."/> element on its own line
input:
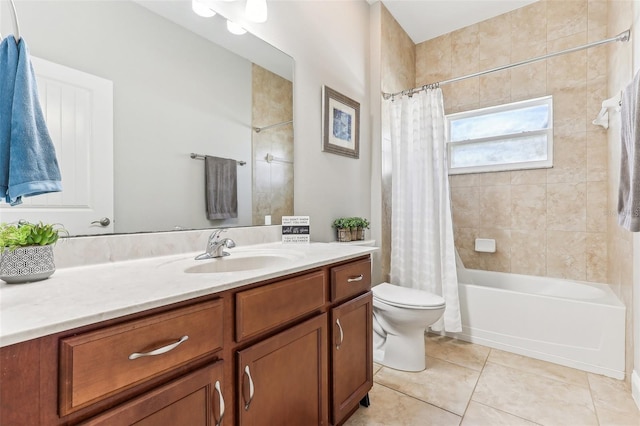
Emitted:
<point x="216" y="234"/>
<point x="229" y="243"/>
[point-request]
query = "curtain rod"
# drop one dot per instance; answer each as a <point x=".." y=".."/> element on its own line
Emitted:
<point x="284" y="123"/>
<point x="202" y="157"/>
<point x="624" y="37"/>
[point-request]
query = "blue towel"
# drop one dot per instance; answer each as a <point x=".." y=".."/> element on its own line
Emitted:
<point x="33" y="167"/>
<point x="8" y="70"/>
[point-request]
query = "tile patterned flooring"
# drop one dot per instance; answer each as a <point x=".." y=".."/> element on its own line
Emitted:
<point x="467" y="384"/>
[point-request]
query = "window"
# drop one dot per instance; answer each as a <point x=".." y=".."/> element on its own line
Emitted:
<point x="506" y="137"/>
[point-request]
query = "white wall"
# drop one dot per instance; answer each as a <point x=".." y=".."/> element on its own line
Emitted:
<point x="329" y="41"/>
<point x="172" y="96"/>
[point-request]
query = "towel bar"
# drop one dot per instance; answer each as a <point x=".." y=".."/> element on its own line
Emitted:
<point x="201" y="157"/>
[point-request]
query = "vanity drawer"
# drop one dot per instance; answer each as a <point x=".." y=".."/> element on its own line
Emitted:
<point x="350" y="279"/>
<point x="263" y="308"/>
<point x="98" y="364"/>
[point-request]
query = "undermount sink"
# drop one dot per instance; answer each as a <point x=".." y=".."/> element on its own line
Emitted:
<point x="243" y="261"/>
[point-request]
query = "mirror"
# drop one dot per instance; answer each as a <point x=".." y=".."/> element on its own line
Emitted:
<point x="182" y="84"/>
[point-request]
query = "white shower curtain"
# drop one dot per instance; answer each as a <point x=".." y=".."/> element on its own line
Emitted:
<point x="422" y="249"/>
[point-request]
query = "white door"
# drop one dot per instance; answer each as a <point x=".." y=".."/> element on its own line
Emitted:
<point x="78" y="109"/>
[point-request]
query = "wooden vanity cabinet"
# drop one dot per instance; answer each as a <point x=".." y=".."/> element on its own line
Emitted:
<point x="283" y="380"/>
<point x="351" y="327"/>
<point x="193" y="399"/>
<point x="295" y="350"/>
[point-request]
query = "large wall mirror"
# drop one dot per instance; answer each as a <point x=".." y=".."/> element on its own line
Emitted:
<point x="181" y="84"/>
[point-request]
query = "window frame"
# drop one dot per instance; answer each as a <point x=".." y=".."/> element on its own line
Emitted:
<point x="525" y="165"/>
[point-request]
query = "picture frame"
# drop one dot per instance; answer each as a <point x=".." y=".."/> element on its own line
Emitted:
<point x="340" y="124"/>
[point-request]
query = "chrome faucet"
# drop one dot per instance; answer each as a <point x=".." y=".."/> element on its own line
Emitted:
<point x="216" y="246"/>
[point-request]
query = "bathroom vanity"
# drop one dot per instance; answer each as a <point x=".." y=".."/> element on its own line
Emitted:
<point x="276" y="345"/>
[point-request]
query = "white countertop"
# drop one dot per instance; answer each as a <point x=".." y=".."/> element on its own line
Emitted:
<point x="74" y="297"/>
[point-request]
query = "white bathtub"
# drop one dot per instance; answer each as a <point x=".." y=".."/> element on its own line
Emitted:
<point x="577" y="324"/>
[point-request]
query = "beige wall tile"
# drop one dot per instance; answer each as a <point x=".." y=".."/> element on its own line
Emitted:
<point x="597" y="14"/>
<point x="569" y="70"/>
<point x="495" y="206"/>
<point x="494" y="41"/>
<point x="529" y="207"/>
<point x="566" y="17"/>
<point x="528" y="177"/>
<point x="570" y="110"/>
<point x="495" y="178"/>
<point x="433" y="60"/>
<point x="499" y="261"/>
<point x="465" y="206"/>
<point x="465" y="50"/>
<point x="529" y="81"/>
<point x="597" y="257"/>
<point x="597" y="207"/>
<point x="472" y="179"/>
<point x="569" y="159"/>
<point x="567" y="206"/>
<point x="529" y="252"/>
<point x="529" y="25"/>
<point x="566" y="256"/>
<point x="495" y="89"/>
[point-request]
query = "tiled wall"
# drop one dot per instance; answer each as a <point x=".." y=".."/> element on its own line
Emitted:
<point x="397" y="73"/>
<point x="550" y="222"/>
<point x="619" y="242"/>
<point x="272" y="181"/>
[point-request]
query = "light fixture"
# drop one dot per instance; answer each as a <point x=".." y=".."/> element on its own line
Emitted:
<point x="256" y="10"/>
<point x="235" y="28"/>
<point x="202" y="9"/>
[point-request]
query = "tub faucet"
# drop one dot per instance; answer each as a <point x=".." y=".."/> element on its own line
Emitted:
<point x="216" y="246"/>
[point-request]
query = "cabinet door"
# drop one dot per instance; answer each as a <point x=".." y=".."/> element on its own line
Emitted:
<point x="351" y="354"/>
<point x="195" y="399"/>
<point x="283" y="379"/>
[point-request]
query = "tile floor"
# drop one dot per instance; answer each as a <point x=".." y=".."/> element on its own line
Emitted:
<point x="468" y="384"/>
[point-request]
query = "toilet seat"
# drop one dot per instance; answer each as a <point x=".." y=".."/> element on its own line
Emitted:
<point x="404" y="297"/>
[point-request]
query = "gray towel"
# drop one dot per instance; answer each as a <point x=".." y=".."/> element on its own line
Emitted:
<point x="629" y="190"/>
<point x="221" y="188"/>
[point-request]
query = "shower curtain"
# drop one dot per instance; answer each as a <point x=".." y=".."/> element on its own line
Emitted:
<point x="422" y="249"/>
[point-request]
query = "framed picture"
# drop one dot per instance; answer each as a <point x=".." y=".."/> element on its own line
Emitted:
<point x="340" y="124"/>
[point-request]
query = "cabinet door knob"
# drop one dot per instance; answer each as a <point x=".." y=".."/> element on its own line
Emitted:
<point x="341" y="334"/>
<point x="161" y="350"/>
<point x="247" y="372"/>
<point x="220" y="401"/>
<point x="358" y="278"/>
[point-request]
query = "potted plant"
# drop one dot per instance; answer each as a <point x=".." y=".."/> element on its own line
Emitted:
<point x="343" y="229"/>
<point x="26" y="251"/>
<point x="362" y="225"/>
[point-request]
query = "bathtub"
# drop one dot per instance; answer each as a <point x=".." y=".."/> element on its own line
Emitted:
<point x="577" y="324"/>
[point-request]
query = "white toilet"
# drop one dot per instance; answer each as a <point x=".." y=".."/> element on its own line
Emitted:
<point x="400" y="318"/>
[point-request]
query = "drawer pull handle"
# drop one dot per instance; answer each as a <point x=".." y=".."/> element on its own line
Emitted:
<point x="341" y="334"/>
<point x="358" y="278"/>
<point x="221" y="401"/>
<point x="161" y="350"/>
<point x="251" y="388"/>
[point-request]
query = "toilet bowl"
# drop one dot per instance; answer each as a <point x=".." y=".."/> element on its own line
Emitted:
<point x="400" y="318"/>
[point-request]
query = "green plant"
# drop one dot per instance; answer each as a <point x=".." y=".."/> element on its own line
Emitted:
<point x="23" y="234"/>
<point x="341" y="223"/>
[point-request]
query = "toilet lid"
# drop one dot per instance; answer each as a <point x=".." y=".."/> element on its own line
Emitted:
<point x="407" y="297"/>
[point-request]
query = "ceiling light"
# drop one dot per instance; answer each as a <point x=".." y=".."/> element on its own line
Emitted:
<point x="202" y="9"/>
<point x="235" y="28"/>
<point x="256" y="10"/>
